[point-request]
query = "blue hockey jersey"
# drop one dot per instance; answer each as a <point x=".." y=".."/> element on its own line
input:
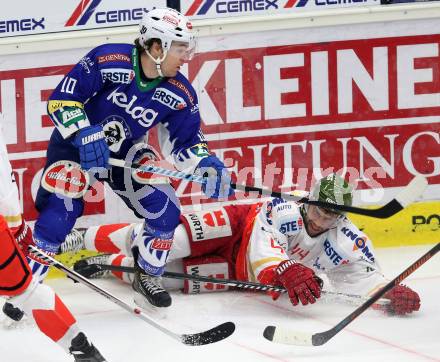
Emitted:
<point x="106" y="88"/>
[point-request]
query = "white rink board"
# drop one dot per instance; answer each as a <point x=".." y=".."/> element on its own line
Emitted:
<point x="27" y="17"/>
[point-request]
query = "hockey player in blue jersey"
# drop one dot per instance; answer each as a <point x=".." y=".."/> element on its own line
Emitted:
<point x="104" y="108"/>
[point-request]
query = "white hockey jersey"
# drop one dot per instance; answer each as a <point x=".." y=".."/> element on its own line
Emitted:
<point x="343" y="254"/>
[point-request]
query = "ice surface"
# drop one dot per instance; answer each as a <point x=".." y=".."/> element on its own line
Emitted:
<point x="122" y="337"/>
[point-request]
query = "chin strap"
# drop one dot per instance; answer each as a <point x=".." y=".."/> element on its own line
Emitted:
<point x="158" y="61"/>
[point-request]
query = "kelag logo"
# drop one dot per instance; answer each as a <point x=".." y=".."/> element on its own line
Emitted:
<point x="86" y="8"/>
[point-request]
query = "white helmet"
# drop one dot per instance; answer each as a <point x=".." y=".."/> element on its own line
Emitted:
<point x="168" y="25"/>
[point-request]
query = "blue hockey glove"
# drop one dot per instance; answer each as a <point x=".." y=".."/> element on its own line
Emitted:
<point x="218" y="179"/>
<point x="93" y="150"/>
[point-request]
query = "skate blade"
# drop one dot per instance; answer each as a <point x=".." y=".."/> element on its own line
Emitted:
<point x="148" y="308"/>
<point x="7" y="323"/>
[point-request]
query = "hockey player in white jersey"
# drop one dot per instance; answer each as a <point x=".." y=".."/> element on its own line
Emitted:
<point x="275" y="242"/>
<point x="17" y="284"/>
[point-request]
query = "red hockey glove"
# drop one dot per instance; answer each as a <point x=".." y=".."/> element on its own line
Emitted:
<point x="24" y="237"/>
<point x="300" y="282"/>
<point x="403" y="300"/>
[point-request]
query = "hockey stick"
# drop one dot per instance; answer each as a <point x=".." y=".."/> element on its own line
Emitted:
<point x="287" y="336"/>
<point x="213" y="335"/>
<point x="231" y="282"/>
<point x="409" y="194"/>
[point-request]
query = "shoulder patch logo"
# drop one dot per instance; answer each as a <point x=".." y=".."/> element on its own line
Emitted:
<point x="360" y="242"/>
<point x="117" y="75"/>
<point x="168" y="98"/>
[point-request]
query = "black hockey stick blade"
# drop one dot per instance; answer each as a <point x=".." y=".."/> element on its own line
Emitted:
<point x="409" y="194"/>
<point x="298" y="338"/>
<point x="213" y="335"/>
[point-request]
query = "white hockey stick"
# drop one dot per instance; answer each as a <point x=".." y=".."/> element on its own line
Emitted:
<point x="299" y="338"/>
<point x="409" y="194"/>
<point x="213" y="335"/>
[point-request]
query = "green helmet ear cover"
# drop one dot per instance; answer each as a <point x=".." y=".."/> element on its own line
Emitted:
<point x="333" y="189"/>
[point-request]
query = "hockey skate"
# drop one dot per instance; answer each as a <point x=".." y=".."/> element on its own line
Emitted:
<point x="87" y="267"/>
<point x="83" y="351"/>
<point x="149" y="287"/>
<point x="74" y="241"/>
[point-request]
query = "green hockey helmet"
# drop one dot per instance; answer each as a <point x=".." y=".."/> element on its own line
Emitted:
<point x="334" y="190"/>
